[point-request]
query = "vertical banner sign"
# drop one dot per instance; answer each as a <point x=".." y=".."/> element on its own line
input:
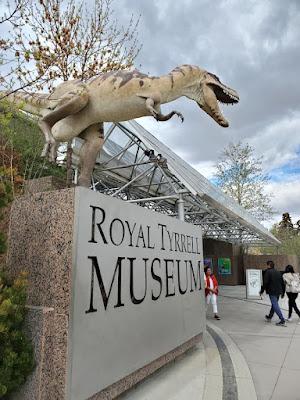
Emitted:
<point x="137" y="290"/>
<point x="253" y="283"/>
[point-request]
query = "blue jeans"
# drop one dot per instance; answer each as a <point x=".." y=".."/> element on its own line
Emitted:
<point x="275" y="306"/>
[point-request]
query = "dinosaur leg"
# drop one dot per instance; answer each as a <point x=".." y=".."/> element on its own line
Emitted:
<point x="156" y="112"/>
<point x="49" y="139"/>
<point x="70" y="103"/>
<point x="94" y="138"/>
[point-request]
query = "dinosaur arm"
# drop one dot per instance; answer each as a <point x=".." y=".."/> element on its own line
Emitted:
<point x="152" y="102"/>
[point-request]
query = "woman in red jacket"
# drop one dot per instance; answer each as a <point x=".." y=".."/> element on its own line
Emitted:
<point x="211" y="290"/>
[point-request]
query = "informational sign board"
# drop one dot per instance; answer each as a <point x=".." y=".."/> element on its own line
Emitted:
<point x="224" y="266"/>
<point x="253" y="283"/>
<point x="137" y="290"/>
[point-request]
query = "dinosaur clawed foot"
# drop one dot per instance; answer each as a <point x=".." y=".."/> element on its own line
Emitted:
<point x="45" y="150"/>
<point x="161" y="117"/>
<point x="50" y="151"/>
<point x="50" y="147"/>
<point x="179" y="115"/>
<point x="154" y="114"/>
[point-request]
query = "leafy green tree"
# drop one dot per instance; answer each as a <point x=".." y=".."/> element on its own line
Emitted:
<point x="16" y="351"/>
<point x="289" y="236"/>
<point x="5" y="198"/>
<point x="240" y="175"/>
<point x="286" y="224"/>
<point x="21" y="143"/>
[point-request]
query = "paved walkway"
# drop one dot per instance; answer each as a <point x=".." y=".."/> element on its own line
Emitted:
<point x="272" y="353"/>
<point x="241" y="358"/>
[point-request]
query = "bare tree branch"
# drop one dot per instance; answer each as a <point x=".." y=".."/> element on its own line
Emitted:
<point x="12" y="14"/>
<point x="58" y="40"/>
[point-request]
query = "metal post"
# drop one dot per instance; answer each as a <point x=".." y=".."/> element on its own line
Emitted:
<point x="143" y="200"/>
<point x="180" y="207"/>
<point x="76" y="176"/>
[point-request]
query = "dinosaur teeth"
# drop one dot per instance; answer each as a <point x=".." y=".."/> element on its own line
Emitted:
<point x="230" y="95"/>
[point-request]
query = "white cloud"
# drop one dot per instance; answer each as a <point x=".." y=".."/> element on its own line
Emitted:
<point x="206" y="168"/>
<point x="286" y="198"/>
<point x="279" y="141"/>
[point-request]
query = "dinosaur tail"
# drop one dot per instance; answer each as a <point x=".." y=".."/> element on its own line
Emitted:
<point x="29" y="102"/>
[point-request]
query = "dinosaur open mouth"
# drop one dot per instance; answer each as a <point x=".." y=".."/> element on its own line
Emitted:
<point x="224" y="94"/>
<point x="213" y="95"/>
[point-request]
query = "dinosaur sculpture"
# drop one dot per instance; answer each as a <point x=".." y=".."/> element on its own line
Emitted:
<point x="77" y="108"/>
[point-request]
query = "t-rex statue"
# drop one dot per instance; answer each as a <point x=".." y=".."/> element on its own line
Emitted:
<point x="77" y="108"/>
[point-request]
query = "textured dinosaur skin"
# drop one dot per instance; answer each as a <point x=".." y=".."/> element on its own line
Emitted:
<point x="77" y="108"/>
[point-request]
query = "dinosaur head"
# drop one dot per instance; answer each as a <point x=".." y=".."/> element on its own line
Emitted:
<point x="212" y="91"/>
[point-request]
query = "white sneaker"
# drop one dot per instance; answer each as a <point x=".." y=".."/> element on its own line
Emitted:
<point x="289" y="319"/>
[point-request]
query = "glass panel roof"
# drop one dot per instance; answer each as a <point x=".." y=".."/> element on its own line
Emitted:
<point x="136" y="167"/>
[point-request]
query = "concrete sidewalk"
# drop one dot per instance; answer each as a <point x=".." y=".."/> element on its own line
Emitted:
<point x="213" y="370"/>
<point x="272" y="353"/>
<point x="242" y="357"/>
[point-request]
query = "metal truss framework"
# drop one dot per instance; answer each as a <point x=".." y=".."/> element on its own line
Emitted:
<point x="129" y="169"/>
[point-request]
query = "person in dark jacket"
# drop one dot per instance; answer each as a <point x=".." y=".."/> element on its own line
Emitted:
<point x="273" y="284"/>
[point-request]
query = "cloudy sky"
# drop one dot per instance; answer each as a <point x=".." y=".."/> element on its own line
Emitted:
<point x="254" y="47"/>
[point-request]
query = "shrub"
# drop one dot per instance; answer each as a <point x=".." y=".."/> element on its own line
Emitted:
<point x="21" y="144"/>
<point x="16" y="351"/>
<point x="5" y="198"/>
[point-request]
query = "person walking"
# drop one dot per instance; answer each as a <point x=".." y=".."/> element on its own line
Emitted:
<point x="292" y="288"/>
<point x="211" y="290"/>
<point x="273" y="284"/>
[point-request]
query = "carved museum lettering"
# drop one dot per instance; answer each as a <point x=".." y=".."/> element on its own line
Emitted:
<point x="118" y="231"/>
<point x="162" y="277"/>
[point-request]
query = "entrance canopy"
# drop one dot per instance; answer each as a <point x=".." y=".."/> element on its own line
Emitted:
<point x="136" y="167"/>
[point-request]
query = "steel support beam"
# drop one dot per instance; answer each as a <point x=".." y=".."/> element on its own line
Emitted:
<point x="180" y="207"/>
<point x="172" y="196"/>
